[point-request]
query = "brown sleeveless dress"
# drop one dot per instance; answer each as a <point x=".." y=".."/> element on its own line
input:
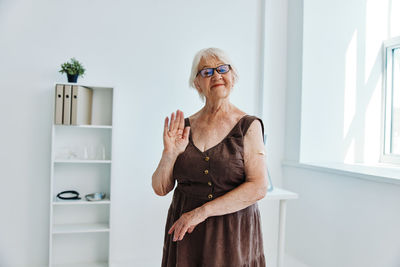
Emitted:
<point x="230" y="240"/>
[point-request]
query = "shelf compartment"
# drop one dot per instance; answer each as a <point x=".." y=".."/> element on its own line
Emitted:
<point x="80" y="215"/>
<point x="83" y="178"/>
<point x="80" y="228"/>
<point x="102" y="103"/>
<point x="82" y="144"/>
<point x="80" y="249"/>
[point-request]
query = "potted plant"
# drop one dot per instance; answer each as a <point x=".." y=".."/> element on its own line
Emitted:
<point x="73" y="69"/>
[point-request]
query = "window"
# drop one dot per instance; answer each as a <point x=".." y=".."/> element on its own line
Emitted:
<point x="391" y="136"/>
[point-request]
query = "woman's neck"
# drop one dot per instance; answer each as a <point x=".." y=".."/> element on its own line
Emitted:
<point x="216" y="109"/>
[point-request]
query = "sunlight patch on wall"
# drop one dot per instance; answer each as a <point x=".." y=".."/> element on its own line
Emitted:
<point x="394" y="18"/>
<point x="376" y="25"/>
<point x="372" y="128"/>
<point x="350" y="90"/>
<point x="350" y="154"/>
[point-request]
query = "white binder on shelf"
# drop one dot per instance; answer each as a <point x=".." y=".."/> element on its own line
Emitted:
<point x="67" y="105"/>
<point x="81" y="107"/>
<point x="59" y="101"/>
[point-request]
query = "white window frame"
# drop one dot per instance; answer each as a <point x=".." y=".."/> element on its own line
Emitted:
<point x="388" y="47"/>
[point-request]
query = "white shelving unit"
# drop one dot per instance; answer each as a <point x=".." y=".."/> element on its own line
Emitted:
<point x="81" y="160"/>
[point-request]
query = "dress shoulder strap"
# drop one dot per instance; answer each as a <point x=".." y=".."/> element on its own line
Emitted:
<point x="247" y="122"/>
<point x="187" y="122"/>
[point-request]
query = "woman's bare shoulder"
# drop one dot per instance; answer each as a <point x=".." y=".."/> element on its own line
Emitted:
<point x="194" y="116"/>
<point x="240" y="113"/>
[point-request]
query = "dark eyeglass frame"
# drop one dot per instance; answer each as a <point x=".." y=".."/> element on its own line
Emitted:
<point x="212" y="70"/>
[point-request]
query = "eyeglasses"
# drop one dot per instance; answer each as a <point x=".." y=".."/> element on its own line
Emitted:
<point x="208" y="72"/>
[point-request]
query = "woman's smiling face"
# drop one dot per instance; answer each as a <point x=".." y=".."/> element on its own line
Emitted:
<point x="218" y="85"/>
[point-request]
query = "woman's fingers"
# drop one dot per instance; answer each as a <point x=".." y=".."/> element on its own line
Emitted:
<point x="185" y="224"/>
<point x="177" y="230"/>
<point x="191" y="228"/>
<point x="183" y="232"/>
<point x="171" y="230"/>
<point x="175" y="124"/>
<point x="181" y="125"/>
<point x="166" y="125"/>
<point x="171" y="124"/>
<point x="180" y="232"/>
<point x="180" y="228"/>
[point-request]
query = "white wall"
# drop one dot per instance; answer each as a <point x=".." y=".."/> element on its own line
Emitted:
<point x="294" y="79"/>
<point x="342" y="78"/>
<point x="144" y="48"/>
<point x="342" y="221"/>
<point x="274" y="81"/>
<point x="338" y="220"/>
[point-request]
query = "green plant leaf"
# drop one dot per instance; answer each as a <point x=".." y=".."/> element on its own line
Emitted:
<point x="73" y="67"/>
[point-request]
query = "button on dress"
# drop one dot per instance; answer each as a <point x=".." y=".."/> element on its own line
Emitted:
<point x="230" y="240"/>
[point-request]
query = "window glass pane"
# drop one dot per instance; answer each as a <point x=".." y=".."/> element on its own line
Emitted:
<point x="395" y="147"/>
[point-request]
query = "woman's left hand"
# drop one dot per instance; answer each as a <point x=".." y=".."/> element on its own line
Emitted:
<point x="186" y="223"/>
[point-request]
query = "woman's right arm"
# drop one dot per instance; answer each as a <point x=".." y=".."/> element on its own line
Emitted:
<point x="175" y="138"/>
<point x="162" y="180"/>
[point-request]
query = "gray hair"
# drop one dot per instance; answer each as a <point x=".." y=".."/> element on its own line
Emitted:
<point x="210" y="52"/>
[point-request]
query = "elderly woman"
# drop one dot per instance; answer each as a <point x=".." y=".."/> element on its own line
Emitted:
<point x="217" y="158"/>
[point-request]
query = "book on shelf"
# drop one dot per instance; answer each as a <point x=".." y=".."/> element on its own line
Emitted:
<point x="81" y="107"/>
<point x="67" y="104"/>
<point x="73" y="105"/>
<point x="59" y="102"/>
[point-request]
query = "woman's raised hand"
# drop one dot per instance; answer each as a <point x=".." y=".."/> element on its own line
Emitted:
<point x="176" y="136"/>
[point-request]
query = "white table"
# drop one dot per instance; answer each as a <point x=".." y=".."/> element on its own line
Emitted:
<point x="283" y="196"/>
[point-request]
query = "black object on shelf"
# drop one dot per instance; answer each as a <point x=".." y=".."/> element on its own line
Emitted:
<point x="71" y="194"/>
